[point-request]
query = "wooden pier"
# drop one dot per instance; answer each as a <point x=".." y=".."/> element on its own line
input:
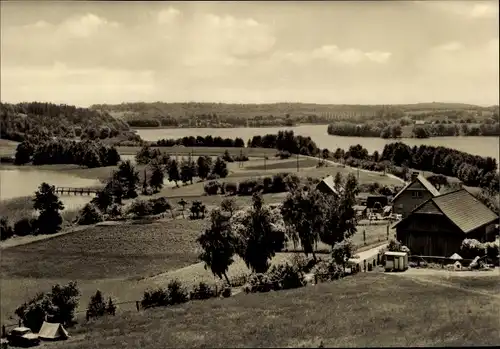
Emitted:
<point x="76" y="191"/>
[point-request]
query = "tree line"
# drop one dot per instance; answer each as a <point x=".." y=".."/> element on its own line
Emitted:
<point x="86" y="153"/>
<point x="200" y="141"/>
<point x="472" y="170"/>
<point x="18" y="121"/>
<point x="285" y="141"/>
<point x="384" y="129"/>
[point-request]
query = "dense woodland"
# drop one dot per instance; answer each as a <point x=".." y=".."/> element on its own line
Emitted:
<point x="86" y="153"/>
<point x="219" y="115"/>
<point x="199" y="141"/>
<point x="18" y="121"/>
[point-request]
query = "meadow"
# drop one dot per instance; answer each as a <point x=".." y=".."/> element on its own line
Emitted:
<point x="366" y="310"/>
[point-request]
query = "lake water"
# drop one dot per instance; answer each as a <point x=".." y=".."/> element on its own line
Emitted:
<point x="17" y="183"/>
<point x="484" y="146"/>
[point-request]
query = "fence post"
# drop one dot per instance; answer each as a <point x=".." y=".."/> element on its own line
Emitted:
<point x="4" y="333"/>
<point x="137" y="305"/>
<point x="19" y="323"/>
<point x="315" y="279"/>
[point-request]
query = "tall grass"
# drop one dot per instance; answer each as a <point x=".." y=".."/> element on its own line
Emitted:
<point x="22" y="207"/>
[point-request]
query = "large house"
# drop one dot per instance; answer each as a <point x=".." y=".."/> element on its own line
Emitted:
<point x="417" y="191"/>
<point x="438" y="226"/>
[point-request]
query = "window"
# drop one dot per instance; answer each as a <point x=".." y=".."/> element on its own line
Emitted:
<point x="416" y="194"/>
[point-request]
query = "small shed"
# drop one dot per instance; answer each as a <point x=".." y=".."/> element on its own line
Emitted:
<point x="371" y="201"/>
<point x="396" y="261"/>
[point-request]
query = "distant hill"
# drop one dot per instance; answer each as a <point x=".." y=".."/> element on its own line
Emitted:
<point x="35" y="118"/>
<point x="226" y="115"/>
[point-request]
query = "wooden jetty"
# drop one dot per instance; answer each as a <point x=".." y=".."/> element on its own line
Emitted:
<point x="76" y="191"/>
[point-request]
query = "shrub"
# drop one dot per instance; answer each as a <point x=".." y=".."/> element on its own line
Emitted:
<point x="89" y="214"/>
<point x="97" y="306"/>
<point x="231" y="188"/>
<point x="227" y="157"/>
<point x="159" y="205"/>
<point x="6" y="230"/>
<point x="259" y="283"/>
<point x="328" y="271"/>
<point x="394" y="246"/>
<point x="213" y="176"/>
<point x="212" y="188"/>
<point x="202" y="291"/>
<point x="25" y="226"/>
<point x="155" y="298"/>
<point x="283" y="154"/>
<point x="241" y="158"/>
<point x="471" y="248"/>
<point x="176" y="293"/>
<point x="226" y="292"/>
<point x="288" y="276"/>
<point x="115" y="210"/>
<point x="140" y="208"/>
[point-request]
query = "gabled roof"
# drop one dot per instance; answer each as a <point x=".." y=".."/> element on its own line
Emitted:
<point x="330" y="182"/>
<point x="461" y="208"/>
<point x="427" y="185"/>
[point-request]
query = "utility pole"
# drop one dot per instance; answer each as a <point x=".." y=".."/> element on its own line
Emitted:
<point x="297" y="162"/>
<point x="265" y="164"/>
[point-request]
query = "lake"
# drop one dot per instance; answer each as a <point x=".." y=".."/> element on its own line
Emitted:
<point x="17" y="183"/>
<point x="484" y="146"/>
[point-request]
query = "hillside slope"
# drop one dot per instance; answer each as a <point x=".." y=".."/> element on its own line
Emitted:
<point x="19" y="120"/>
<point x="224" y="115"/>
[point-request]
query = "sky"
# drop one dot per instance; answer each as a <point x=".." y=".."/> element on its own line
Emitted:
<point x="343" y="52"/>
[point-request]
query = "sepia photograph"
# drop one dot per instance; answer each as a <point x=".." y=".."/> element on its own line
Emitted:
<point x="222" y="174"/>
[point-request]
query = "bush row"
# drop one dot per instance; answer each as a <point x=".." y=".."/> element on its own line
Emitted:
<point x="175" y="293"/>
<point x="278" y="183"/>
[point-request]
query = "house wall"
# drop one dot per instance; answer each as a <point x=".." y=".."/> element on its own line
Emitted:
<point x="405" y="203"/>
<point x="483" y="234"/>
<point x="430" y="235"/>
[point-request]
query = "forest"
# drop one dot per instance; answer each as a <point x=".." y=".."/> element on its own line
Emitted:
<point x="86" y="153"/>
<point x="384" y="129"/>
<point x="46" y="120"/>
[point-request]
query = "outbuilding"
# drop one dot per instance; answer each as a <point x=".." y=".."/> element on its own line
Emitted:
<point x="396" y="261"/>
<point x="437" y="227"/>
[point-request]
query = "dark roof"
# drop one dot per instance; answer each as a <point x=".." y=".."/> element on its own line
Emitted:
<point x="427" y="185"/>
<point x="463" y="209"/>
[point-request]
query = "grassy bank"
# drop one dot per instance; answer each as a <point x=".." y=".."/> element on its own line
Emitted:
<point x="369" y="309"/>
<point x="22" y="207"/>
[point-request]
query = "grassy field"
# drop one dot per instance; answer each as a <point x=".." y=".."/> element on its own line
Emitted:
<point x="111" y="258"/>
<point x="369" y="309"/>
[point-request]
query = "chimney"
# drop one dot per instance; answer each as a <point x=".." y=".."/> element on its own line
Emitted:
<point x="414" y="175"/>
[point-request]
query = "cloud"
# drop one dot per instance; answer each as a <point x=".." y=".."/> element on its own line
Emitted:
<point x="470" y="9"/>
<point x="335" y="55"/>
<point x="451" y="46"/>
<point x="59" y="83"/>
<point x="168" y="15"/>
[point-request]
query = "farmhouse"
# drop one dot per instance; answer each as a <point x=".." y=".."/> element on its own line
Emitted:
<point x="413" y="194"/>
<point x="327" y="186"/>
<point x="438" y="226"/>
